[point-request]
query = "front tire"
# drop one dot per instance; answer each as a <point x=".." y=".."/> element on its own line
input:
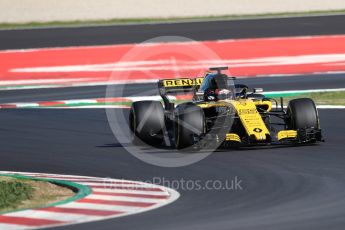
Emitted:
<point x="190" y="123"/>
<point x="147" y="122"/>
<point x="302" y="114"/>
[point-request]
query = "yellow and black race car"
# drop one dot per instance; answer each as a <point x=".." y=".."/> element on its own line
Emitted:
<point x="220" y="113"/>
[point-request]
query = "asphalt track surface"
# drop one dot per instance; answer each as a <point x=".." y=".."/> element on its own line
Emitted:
<point x="300" y="26"/>
<point x="282" y="187"/>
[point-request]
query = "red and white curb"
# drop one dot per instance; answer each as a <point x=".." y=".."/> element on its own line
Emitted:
<point x="67" y="103"/>
<point x="109" y="198"/>
<point x="117" y="102"/>
<point x="124" y="102"/>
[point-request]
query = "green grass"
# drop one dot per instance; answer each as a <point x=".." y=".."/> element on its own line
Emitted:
<point x="158" y="20"/>
<point x="13" y="193"/>
<point x="325" y="98"/>
<point x="19" y="194"/>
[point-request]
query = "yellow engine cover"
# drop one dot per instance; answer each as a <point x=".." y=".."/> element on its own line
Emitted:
<point x="251" y="119"/>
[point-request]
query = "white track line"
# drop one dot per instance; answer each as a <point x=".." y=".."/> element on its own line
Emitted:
<point x="12" y="227"/>
<point x="110" y="184"/>
<point x="103" y="207"/>
<point x="130" y="199"/>
<point x="305" y="91"/>
<point x="331" y="106"/>
<point x="116" y="190"/>
<point x="51" y="215"/>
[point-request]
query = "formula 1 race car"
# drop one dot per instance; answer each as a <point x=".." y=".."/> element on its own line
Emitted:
<point x="221" y="113"/>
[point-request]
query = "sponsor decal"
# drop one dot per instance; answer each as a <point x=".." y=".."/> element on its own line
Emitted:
<point x="257" y="130"/>
<point x="182" y="82"/>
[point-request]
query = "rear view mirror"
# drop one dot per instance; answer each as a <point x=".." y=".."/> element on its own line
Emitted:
<point x="258" y="90"/>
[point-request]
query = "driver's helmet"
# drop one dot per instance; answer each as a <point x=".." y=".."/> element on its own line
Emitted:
<point x="216" y="87"/>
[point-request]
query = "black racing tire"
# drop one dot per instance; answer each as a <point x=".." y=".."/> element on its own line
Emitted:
<point x="302" y="114"/>
<point x="190" y="122"/>
<point x="147" y="122"/>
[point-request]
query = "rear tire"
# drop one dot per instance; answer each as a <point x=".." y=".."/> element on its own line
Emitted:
<point x="190" y="123"/>
<point x="147" y="122"/>
<point x="302" y="114"/>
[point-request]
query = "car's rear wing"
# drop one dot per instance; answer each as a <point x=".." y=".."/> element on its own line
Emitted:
<point x="177" y="86"/>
